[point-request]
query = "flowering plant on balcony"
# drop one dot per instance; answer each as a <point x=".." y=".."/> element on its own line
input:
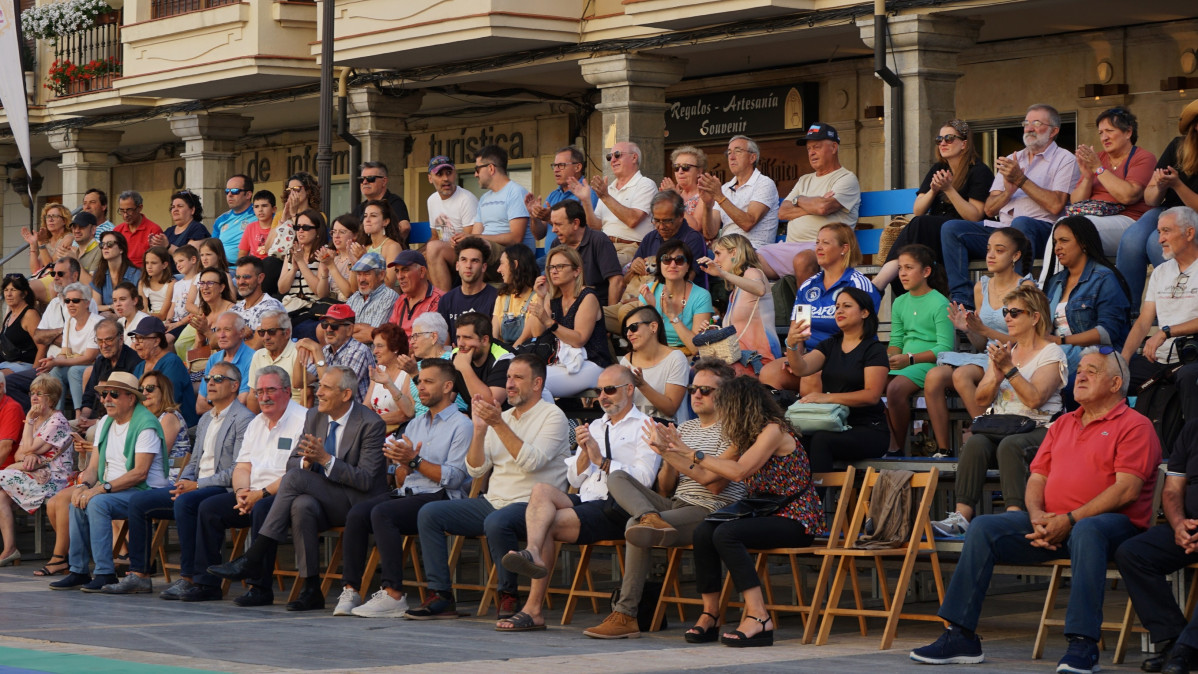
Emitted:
<point x="51" y="21"/>
<point x="63" y="74"/>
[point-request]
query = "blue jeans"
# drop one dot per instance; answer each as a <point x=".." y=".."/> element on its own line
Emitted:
<point x="1139" y="247"/>
<point x="962" y="241"/>
<point x="72" y="380"/>
<point x="468" y="517"/>
<point x="91" y="531"/>
<point x="1000" y="539"/>
<point x="153" y="504"/>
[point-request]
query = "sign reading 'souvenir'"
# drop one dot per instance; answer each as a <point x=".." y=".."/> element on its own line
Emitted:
<point x="752" y="112"/>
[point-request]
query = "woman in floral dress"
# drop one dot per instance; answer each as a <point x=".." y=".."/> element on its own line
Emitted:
<point x="41" y="465"/>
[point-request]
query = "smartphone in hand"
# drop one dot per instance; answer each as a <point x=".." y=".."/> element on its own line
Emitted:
<point x="801" y="312"/>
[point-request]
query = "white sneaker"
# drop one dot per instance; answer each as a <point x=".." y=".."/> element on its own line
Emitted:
<point x="347" y="602"/>
<point x="381" y="605"/>
<point x="953" y="525"/>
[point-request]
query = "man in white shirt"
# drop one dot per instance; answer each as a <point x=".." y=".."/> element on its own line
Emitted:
<point x="274" y="329"/>
<point x="1172" y="302"/>
<point x="623" y="210"/>
<point x="747" y="204"/>
<point x="521" y="448"/>
<point x="254" y="302"/>
<point x="613" y="442"/>
<point x="261" y="462"/>
<point x="451" y="207"/>
<point x="130" y="456"/>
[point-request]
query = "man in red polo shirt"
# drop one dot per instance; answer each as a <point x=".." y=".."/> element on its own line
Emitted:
<point x="135" y="227"/>
<point x="417" y="295"/>
<point x="12" y="422"/>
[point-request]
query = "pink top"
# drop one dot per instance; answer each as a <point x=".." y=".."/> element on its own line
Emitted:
<point x="253" y="239"/>
<point x="1137" y="169"/>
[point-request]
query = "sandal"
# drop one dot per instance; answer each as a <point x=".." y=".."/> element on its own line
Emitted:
<point x="520" y="622"/>
<point x="521" y="563"/>
<point x="763" y="638"/>
<point x="703" y="636"/>
<point x="120" y="560"/>
<point x="45" y="570"/>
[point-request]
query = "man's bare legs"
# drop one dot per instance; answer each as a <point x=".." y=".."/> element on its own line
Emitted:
<point x="549" y="518"/>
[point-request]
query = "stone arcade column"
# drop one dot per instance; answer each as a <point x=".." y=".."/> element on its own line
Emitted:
<point x="633" y="102"/>
<point x="380" y="123"/>
<point x="923" y="52"/>
<point x="85" y="162"/>
<point x="209" y="155"/>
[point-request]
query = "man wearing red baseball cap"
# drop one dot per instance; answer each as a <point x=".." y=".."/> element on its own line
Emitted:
<point x="340" y="348"/>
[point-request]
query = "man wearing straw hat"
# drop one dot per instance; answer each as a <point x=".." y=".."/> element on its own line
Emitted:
<point x="130" y="456"/>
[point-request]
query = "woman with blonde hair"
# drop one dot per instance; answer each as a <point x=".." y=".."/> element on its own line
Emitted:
<point x="750" y="305"/>
<point x="55" y="230"/>
<point x="570" y="312"/>
<point x="688" y="163"/>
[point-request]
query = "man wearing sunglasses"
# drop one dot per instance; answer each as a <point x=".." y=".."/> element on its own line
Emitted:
<point x="569" y="163"/>
<point x="656" y="520"/>
<point x="340" y="349"/>
<point x="747" y="204"/>
<point x="623" y="213"/>
<point x="130" y="456"/>
<point x="135" y="227"/>
<point x="254" y="302"/>
<point x="83" y="244"/>
<point x="228" y="330"/>
<point x="373" y="179"/>
<point x="230" y="225"/>
<point x="614" y="442"/>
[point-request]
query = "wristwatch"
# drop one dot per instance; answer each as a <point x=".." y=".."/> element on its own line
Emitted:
<point x="265" y="493"/>
<point x="1011" y="373"/>
<point x="1101" y="170"/>
<point x="320" y="363"/>
<point x="553" y="327"/>
<point x="415" y="463"/>
<point x="1168" y="330"/>
<point x="699" y="456"/>
<point x="107" y="487"/>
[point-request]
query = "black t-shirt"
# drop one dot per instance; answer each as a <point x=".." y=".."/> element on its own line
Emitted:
<point x="845" y="373"/>
<point x="454" y="303"/>
<point x="398" y="208"/>
<point x="1169" y="159"/>
<point x="1184" y="461"/>
<point x="599" y="262"/>
<point x="977" y="186"/>
<point x="492" y="372"/>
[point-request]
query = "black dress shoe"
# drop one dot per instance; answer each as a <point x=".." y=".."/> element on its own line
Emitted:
<point x="1157" y="661"/>
<point x="238" y="569"/>
<point x="199" y="592"/>
<point x="256" y="596"/>
<point x="73" y="581"/>
<point x="1181" y="660"/>
<point x="309" y="600"/>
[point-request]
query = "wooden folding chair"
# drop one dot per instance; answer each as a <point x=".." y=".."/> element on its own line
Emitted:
<point x="582" y="574"/>
<point x="239" y="538"/>
<point x="477" y="487"/>
<point x="920" y="542"/>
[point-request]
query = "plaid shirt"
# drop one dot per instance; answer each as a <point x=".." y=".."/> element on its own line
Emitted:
<point x="376" y="309"/>
<point x="356" y="356"/>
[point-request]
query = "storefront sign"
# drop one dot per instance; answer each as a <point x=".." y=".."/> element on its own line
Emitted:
<point x="781" y="160"/>
<point x="751" y="112"/>
<point x="462" y="145"/>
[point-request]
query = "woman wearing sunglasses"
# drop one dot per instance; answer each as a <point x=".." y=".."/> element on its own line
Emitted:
<point x="18" y="351"/>
<point x="115" y="266"/>
<point x="149" y="341"/>
<point x="215" y="298"/>
<point x="688" y="163"/>
<point x="569" y="312"/>
<point x="685" y="305"/>
<point x="79" y="346"/>
<point x="159" y="392"/>
<point x="855" y="369"/>
<point x="955" y="188"/>
<point x="1024" y="377"/>
<point x="299" y="280"/>
<point x="659" y="373"/>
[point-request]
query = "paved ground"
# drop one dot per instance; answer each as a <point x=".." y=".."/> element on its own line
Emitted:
<point x="43" y="630"/>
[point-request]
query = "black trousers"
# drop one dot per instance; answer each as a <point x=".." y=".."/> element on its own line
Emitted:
<point x="857" y="443"/>
<point x="216" y="514"/>
<point x="1145" y="561"/>
<point x="730" y="542"/>
<point x="389" y="518"/>
<point x="923" y="229"/>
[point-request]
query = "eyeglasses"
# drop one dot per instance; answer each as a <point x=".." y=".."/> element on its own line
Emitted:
<point x="678" y="168"/>
<point x="674" y="259"/>
<point x="217" y="379"/>
<point x="263" y="332"/>
<point x="701" y="390"/>
<point x="1108" y="350"/>
<point x="559" y="267"/>
<point x="480" y="167"/>
<point x="149" y="388"/>
<point x="208" y="284"/>
<point x="560" y="167"/>
<point x="612" y="390"/>
<point x="109" y="244"/>
<point x="268" y="391"/>
<point x="138" y="338"/>
<point x="104" y="341"/>
<point x="1013" y="313"/>
<point x="235" y="190"/>
<point x="1179" y="288"/>
<point x="948" y="138"/>
<point x="73" y="300"/>
<point x="370" y="179"/>
<point x="737" y="150"/>
<point x="633" y="327"/>
<point x="616" y="155"/>
<point x="1035" y="124"/>
<point x="108" y="393"/>
<point x="421" y="334"/>
<point x="305" y="228"/>
<point x="664" y="222"/>
<point x="245" y="277"/>
<point x="333" y="325"/>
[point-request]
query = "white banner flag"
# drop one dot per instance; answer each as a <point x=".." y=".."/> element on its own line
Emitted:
<point x="12" y="82"/>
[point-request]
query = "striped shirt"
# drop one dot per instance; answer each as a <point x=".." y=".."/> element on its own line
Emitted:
<point x="709" y="440"/>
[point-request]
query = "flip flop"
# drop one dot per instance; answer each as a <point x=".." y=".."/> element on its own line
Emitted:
<point x="520" y="622"/>
<point x="521" y="563"/>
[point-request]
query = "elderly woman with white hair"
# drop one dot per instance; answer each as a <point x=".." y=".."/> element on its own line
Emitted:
<point x="430" y="339"/>
<point x="79" y="346"/>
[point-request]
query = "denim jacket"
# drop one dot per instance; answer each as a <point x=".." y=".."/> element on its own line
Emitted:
<point x="1098" y="301"/>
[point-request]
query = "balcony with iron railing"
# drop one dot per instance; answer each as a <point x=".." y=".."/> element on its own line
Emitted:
<point x="88" y="60"/>
<point x="160" y="9"/>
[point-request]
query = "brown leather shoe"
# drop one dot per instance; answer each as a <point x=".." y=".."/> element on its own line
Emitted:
<point x="651" y="531"/>
<point x="615" y="626"/>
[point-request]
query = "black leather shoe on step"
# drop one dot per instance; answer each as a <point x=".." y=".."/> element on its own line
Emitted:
<point x="238" y="569"/>
<point x="308" y="600"/>
<point x="256" y="596"/>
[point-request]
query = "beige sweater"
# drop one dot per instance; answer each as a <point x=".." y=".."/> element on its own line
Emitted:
<point x="545" y="433"/>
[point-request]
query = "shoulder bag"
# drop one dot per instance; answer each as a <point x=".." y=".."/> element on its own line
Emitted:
<point x="811" y="418"/>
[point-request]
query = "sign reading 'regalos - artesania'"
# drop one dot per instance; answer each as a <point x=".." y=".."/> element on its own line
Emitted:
<point x="752" y="112"/>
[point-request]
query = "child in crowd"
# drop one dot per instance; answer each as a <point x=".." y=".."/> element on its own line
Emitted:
<point x="253" y="241"/>
<point x="187" y="260"/>
<point x="157" y="283"/>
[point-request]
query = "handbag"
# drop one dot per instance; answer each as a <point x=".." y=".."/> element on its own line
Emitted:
<point x="1094" y="207"/>
<point x="890" y="235"/>
<point x="811" y="418"/>
<point x="512" y="327"/>
<point x="759" y="505"/>
<point x="723" y="343"/>
<point x="998" y="426"/>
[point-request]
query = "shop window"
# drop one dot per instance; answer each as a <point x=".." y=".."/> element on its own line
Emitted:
<point x="1004" y="138"/>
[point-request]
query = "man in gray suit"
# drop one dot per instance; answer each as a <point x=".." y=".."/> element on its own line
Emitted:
<point x="208" y="473"/>
<point x="339" y="462"/>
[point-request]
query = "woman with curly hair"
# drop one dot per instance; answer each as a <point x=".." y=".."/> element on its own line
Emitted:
<point x="765" y="455"/>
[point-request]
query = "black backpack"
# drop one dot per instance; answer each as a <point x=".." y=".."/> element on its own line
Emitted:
<point x="1160" y="401"/>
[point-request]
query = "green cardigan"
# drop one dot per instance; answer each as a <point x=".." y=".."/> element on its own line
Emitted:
<point x="142" y="419"/>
